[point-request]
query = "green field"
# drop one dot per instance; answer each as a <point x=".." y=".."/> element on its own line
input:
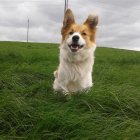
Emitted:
<point x="30" y="110"/>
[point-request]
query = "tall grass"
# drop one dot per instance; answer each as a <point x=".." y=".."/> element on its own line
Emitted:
<point x="30" y="110"/>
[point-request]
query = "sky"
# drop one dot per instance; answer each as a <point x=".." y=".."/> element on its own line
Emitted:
<point x="119" y="20"/>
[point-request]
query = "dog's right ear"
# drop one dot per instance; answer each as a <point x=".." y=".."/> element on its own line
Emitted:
<point x="68" y="20"/>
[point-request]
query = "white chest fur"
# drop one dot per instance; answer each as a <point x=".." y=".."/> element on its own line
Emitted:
<point x="75" y="70"/>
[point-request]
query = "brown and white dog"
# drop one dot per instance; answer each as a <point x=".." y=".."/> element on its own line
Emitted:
<point x="76" y="54"/>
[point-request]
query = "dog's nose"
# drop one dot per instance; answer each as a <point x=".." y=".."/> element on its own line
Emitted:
<point x="75" y="38"/>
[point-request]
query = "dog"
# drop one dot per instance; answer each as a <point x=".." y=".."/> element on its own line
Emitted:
<point x="77" y="49"/>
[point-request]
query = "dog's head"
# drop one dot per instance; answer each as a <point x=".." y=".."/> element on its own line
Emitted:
<point x="78" y="37"/>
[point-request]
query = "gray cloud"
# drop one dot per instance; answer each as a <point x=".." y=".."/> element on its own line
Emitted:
<point x="119" y="22"/>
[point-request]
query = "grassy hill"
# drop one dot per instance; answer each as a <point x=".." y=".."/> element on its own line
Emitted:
<point x="29" y="109"/>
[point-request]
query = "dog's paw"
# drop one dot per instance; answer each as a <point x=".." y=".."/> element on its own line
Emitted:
<point x="55" y="73"/>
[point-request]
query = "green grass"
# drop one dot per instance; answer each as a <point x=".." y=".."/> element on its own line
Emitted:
<point x="30" y="110"/>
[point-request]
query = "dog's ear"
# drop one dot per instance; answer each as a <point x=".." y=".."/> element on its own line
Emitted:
<point x="91" y="21"/>
<point x="68" y="20"/>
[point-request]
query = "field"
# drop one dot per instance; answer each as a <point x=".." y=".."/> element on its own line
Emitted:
<point x="29" y="109"/>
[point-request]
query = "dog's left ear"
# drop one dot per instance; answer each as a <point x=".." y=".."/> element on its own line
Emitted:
<point x="91" y="21"/>
<point x="68" y="20"/>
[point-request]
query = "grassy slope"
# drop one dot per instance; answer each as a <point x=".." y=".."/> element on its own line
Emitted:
<point x="30" y="110"/>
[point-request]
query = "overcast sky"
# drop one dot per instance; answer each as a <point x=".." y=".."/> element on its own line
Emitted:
<point x="119" y="20"/>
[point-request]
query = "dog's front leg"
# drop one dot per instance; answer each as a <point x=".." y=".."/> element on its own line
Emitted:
<point x="60" y="85"/>
<point x="87" y="81"/>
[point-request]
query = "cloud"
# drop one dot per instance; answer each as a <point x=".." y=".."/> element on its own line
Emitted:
<point x="119" y="22"/>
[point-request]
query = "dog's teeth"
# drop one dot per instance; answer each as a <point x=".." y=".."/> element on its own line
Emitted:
<point x="75" y="47"/>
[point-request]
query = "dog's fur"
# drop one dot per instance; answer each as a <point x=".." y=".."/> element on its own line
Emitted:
<point x="76" y="54"/>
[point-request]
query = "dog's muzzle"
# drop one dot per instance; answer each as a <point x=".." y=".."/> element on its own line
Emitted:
<point x="75" y="46"/>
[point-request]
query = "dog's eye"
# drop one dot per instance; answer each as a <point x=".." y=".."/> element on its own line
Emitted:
<point x="84" y="34"/>
<point x="70" y="33"/>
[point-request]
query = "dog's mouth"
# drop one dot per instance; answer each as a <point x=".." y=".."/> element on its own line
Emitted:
<point x="75" y="47"/>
